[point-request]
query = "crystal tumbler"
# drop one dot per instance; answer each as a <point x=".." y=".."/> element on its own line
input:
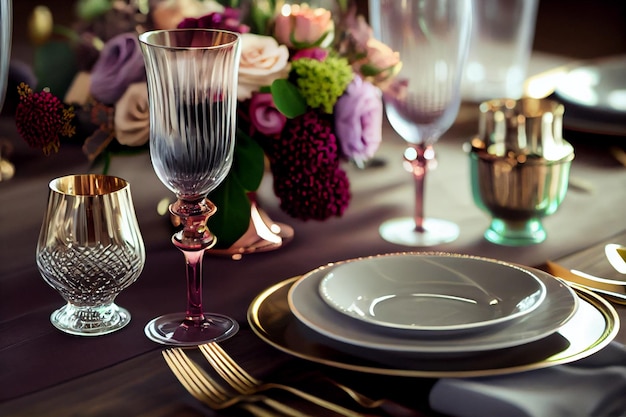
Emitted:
<point x="90" y="249"/>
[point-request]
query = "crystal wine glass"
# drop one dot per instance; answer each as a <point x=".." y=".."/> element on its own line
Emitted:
<point x="192" y="90"/>
<point x="432" y="37"/>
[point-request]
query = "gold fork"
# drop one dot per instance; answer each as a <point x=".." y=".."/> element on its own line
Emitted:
<point x="205" y="389"/>
<point x="244" y="383"/>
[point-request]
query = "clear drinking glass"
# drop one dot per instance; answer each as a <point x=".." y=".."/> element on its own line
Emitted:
<point x="6" y="27"/>
<point x="90" y="249"/>
<point x="192" y="90"/>
<point x="432" y="37"/>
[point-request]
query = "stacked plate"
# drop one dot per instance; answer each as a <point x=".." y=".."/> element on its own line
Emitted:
<point x="594" y="95"/>
<point x="432" y="314"/>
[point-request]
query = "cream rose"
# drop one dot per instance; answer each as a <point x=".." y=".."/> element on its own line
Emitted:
<point x="167" y="14"/>
<point x="263" y="60"/>
<point x="132" y="116"/>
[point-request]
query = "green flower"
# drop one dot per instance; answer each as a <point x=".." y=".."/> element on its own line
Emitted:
<point x="321" y="83"/>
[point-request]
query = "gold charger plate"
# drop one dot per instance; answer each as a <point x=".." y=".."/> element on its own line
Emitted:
<point x="594" y="326"/>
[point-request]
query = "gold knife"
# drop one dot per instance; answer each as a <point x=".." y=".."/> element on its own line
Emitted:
<point x="604" y="286"/>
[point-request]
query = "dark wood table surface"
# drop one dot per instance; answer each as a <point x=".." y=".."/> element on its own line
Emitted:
<point x="45" y="372"/>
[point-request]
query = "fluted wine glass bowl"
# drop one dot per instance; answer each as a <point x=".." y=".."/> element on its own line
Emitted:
<point x="90" y="248"/>
<point x="192" y="93"/>
<point x="423" y="99"/>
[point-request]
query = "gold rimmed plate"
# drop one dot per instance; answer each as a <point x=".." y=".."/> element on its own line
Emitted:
<point x="592" y="327"/>
<point x="307" y="306"/>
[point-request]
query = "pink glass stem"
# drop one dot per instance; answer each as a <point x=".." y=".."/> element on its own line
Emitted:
<point x="194" y="285"/>
<point x="193" y="240"/>
<point x="418" y="156"/>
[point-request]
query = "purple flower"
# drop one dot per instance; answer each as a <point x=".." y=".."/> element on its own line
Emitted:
<point x="119" y="65"/>
<point x="305" y="166"/>
<point x="319" y="54"/>
<point x="264" y="116"/>
<point x="358" y="120"/>
<point x="227" y="20"/>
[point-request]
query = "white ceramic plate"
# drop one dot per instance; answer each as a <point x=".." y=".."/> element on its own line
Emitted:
<point x="594" y="95"/>
<point x="600" y="86"/>
<point x="438" y="294"/>
<point x="309" y="308"/>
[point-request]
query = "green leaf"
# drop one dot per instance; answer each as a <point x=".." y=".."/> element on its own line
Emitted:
<point x="91" y="9"/>
<point x="55" y="67"/>
<point x="369" y="70"/>
<point x="232" y="218"/>
<point x="248" y="162"/>
<point x="287" y="98"/>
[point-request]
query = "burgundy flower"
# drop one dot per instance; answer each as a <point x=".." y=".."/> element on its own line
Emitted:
<point x="318" y="54"/>
<point x="227" y="20"/>
<point x="120" y="64"/>
<point x="41" y="119"/>
<point x="305" y="165"/>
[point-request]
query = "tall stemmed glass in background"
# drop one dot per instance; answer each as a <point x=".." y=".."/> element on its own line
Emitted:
<point x="192" y="90"/>
<point x="432" y="37"/>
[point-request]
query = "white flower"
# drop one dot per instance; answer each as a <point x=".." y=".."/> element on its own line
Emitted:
<point x="132" y="116"/>
<point x="263" y="60"/>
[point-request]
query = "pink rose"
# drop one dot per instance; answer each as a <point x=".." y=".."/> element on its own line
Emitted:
<point x="299" y="26"/>
<point x="264" y="115"/>
<point x="380" y="63"/>
<point x="359" y="119"/>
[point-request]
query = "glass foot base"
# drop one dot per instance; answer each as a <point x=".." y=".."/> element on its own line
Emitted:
<point x="510" y="233"/>
<point x="402" y="231"/>
<point x="172" y="330"/>
<point x="90" y="321"/>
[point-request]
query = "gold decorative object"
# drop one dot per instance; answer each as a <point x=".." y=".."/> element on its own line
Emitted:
<point x="520" y="167"/>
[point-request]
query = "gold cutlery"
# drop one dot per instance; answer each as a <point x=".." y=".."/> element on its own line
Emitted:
<point x="208" y="391"/>
<point x="616" y="255"/>
<point x="239" y="379"/>
<point x="392" y="407"/>
<point x="611" y="289"/>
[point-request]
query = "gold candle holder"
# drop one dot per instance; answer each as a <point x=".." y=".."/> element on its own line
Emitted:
<point x="520" y="167"/>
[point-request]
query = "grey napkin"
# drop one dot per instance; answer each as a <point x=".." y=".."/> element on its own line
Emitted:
<point x="591" y="387"/>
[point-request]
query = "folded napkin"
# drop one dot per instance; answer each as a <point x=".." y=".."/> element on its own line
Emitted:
<point x="591" y="387"/>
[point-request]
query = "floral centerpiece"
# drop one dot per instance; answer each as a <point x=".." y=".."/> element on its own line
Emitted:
<point x="309" y="94"/>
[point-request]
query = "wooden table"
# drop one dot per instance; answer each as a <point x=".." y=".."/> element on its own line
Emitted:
<point x="46" y="372"/>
